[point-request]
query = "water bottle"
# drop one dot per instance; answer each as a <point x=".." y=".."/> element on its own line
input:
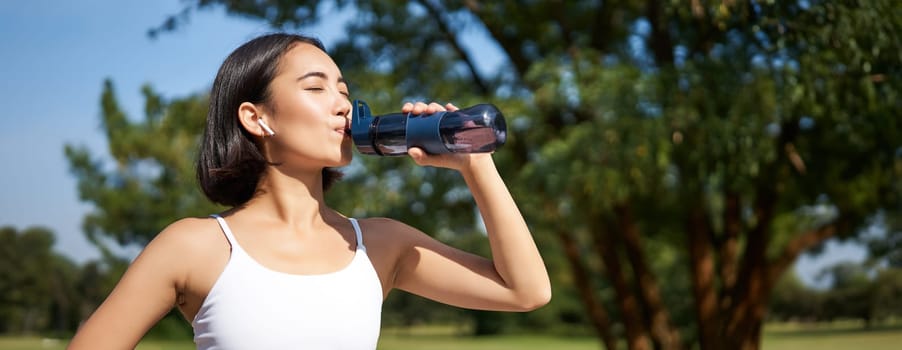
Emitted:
<point x="477" y="129"/>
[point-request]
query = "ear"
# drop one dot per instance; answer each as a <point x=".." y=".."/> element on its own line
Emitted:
<point x="248" y="116"/>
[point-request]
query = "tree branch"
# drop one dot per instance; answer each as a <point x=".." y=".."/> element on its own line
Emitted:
<point x="607" y="245"/>
<point x="705" y="28"/>
<point x="658" y="320"/>
<point x="509" y="43"/>
<point x="601" y="27"/>
<point x="728" y="247"/>
<point x="752" y="288"/>
<point x="455" y="44"/>
<point x="798" y="245"/>
<point x="659" y="40"/>
<point x="582" y="278"/>
<point x="702" y="268"/>
<point x="597" y="315"/>
<point x="561" y="21"/>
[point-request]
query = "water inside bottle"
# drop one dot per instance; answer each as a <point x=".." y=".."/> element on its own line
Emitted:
<point x="481" y="132"/>
<point x="389" y="133"/>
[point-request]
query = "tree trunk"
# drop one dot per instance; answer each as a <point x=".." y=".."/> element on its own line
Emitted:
<point x="659" y="39"/>
<point x="702" y="266"/>
<point x="607" y="246"/>
<point x="747" y="336"/>
<point x="598" y="316"/>
<point x="662" y="331"/>
<point x="743" y="327"/>
<point x="728" y="247"/>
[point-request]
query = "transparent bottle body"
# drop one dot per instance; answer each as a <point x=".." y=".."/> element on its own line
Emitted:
<point x="390" y="136"/>
<point x="476" y="129"/>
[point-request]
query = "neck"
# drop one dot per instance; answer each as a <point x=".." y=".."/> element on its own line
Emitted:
<point x="293" y="198"/>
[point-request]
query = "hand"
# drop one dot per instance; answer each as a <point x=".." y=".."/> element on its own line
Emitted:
<point x="456" y="161"/>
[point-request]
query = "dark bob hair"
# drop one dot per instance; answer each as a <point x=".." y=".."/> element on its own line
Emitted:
<point x="231" y="163"/>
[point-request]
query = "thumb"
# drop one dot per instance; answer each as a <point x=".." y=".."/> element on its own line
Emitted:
<point x="417" y="154"/>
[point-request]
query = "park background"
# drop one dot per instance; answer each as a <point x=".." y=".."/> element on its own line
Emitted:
<point x="674" y="122"/>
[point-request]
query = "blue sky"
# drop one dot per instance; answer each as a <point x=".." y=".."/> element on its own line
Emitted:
<point x="53" y="61"/>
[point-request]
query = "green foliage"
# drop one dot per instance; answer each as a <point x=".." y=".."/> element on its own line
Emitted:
<point x="886" y="294"/>
<point x="791" y="300"/>
<point x="150" y="182"/>
<point x="37" y="291"/>
<point x="25" y="294"/>
<point x="855" y="294"/>
<point x="770" y="126"/>
<point x="887" y="244"/>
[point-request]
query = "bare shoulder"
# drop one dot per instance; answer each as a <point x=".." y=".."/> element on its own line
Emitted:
<point x="388" y="238"/>
<point x="388" y="230"/>
<point x="188" y="240"/>
<point x="392" y="237"/>
<point x="191" y="233"/>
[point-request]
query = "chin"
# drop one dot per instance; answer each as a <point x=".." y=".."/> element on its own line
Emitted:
<point x="347" y="155"/>
<point x="345" y="160"/>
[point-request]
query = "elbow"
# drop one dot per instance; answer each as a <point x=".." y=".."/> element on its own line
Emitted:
<point x="535" y="299"/>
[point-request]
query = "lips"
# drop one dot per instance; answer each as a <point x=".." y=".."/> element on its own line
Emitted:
<point x="345" y="129"/>
<point x="345" y="132"/>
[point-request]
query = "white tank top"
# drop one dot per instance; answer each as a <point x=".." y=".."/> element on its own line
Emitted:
<point x="253" y="307"/>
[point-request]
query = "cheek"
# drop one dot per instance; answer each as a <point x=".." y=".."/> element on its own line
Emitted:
<point x="300" y="134"/>
<point x="301" y="123"/>
<point x="296" y="119"/>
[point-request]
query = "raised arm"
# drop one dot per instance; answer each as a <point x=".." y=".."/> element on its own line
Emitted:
<point x="516" y="278"/>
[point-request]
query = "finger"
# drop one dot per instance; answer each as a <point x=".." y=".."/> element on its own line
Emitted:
<point x="434" y="107"/>
<point x="419" y="108"/>
<point x="417" y="154"/>
<point x="407" y="107"/>
<point x="451" y="107"/>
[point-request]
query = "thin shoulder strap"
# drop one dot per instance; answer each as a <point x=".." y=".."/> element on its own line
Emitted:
<point x="359" y="233"/>
<point x="226" y="230"/>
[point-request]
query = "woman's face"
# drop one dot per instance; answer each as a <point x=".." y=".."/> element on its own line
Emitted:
<point x="310" y="111"/>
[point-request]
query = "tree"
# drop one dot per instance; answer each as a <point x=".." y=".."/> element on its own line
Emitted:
<point x="886" y="294"/>
<point x="713" y="140"/>
<point x="151" y="184"/>
<point x="35" y="283"/>
<point x="850" y="293"/>
<point x="792" y="300"/>
<point x="152" y="179"/>
<point x="856" y="292"/>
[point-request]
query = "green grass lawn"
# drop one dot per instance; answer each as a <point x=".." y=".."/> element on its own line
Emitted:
<point x="777" y="337"/>
<point x="831" y="337"/>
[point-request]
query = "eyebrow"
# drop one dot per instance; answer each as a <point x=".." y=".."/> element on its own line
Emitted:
<point x="320" y="75"/>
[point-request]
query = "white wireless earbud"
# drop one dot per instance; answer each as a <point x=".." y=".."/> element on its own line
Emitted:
<point x="266" y="127"/>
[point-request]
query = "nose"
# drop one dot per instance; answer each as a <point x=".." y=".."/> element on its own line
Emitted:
<point x="343" y="107"/>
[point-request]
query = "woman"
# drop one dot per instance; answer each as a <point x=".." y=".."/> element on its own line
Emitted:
<point x="283" y="270"/>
